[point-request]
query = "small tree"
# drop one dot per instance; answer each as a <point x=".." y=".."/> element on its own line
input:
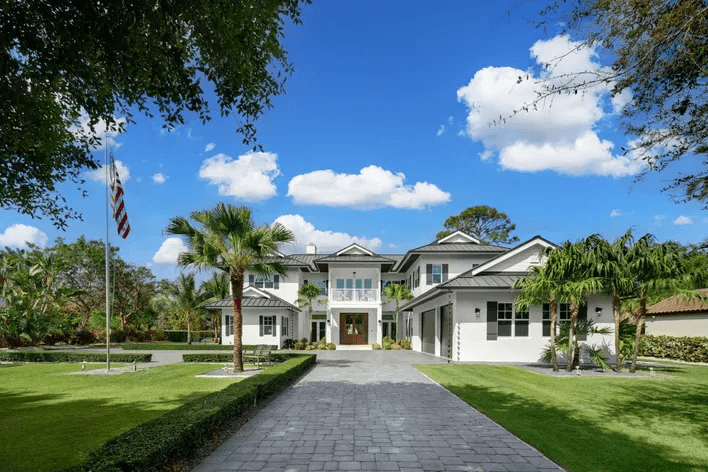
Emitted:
<point x="397" y="293"/>
<point x="184" y="298"/>
<point x="217" y="288"/>
<point x="307" y="296"/>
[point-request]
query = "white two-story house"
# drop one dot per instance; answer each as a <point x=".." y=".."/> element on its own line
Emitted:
<point x="462" y="307"/>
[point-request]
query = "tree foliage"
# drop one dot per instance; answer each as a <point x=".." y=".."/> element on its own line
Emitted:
<point x="659" y="54"/>
<point x="485" y="222"/>
<point x="69" y="68"/>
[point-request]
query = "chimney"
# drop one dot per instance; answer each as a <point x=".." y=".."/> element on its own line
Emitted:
<point x="311" y="249"/>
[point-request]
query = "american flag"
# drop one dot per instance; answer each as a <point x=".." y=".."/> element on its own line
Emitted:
<point x="117" y="205"/>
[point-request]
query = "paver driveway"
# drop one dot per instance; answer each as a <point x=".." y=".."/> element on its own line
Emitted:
<point x="372" y="411"/>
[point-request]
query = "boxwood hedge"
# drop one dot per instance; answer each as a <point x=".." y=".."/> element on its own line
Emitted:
<point x="229" y="357"/>
<point x="61" y="356"/>
<point x="689" y="349"/>
<point x="180" y="336"/>
<point x="180" y="347"/>
<point x="181" y="432"/>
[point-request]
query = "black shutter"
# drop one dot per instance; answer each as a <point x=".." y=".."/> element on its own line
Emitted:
<point x="251" y="279"/>
<point x="444" y="275"/>
<point x="305" y="282"/>
<point x="275" y="320"/>
<point x="260" y="324"/>
<point x="428" y="274"/>
<point x="491" y="321"/>
<point x="276" y="281"/>
<point x="583" y="316"/>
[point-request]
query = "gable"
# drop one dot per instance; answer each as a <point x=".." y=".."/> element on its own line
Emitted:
<point x="253" y="292"/>
<point x="519" y="259"/>
<point x="458" y="237"/>
<point x="354" y="250"/>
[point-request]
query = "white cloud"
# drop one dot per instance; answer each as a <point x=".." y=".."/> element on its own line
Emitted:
<point x="560" y="135"/>
<point x="373" y="187"/>
<point x="159" y="178"/>
<point x="615" y="212"/>
<point x="326" y="241"/>
<point x="100" y="131"/>
<point x="248" y="178"/>
<point x="18" y="235"/>
<point x="441" y="131"/>
<point x="168" y="252"/>
<point x="683" y="220"/>
<point x="99" y="175"/>
<point x="209" y="147"/>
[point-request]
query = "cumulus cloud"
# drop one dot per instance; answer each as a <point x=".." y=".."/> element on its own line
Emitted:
<point x="209" y="147"/>
<point x="19" y="235"/>
<point x="168" y="252"/>
<point x="559" y="135"/>
<point x="249" y="178"/>
<point x="100" y="131"/>
<point x="326" y="241"/>
<point x="615" y="212"/>
<point x="372" y="187"/>
<point x="683" y="220"/>
<point x="99" y="175"/>
<point x="159" y="178"/>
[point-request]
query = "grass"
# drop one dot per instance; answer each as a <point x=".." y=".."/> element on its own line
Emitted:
<point x="51" y="420"/>
<point x="594" y="424"/>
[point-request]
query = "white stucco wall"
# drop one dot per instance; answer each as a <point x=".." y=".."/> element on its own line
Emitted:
<point x="457" y="264"/>
<point x="678" y="325"/>
<point x="251" y="326"/>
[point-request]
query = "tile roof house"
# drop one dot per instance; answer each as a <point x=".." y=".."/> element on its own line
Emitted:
<point x="677" y="316"/>
<point x="462" y="307"/>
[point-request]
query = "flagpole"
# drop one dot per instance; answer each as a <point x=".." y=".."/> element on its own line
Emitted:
<point x="108" y="302"/>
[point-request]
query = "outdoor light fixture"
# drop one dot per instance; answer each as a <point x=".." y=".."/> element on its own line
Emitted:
<point x="329" y="321"/>
<point x="477" y="312"/>
<point x="379" y="321"/>
<point x="598" y="311"/>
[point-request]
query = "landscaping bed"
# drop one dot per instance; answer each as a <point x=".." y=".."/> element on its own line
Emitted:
<point x="59" y="356"/>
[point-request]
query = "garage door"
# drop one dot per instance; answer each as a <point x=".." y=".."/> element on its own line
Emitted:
<point x="428" y="331"/>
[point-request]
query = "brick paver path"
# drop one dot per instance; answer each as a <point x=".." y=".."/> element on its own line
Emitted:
<point x="372" y="411"/>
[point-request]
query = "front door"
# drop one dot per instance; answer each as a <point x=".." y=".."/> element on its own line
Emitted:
<point x="354" y="328"/>
<point x="318" y="330"/>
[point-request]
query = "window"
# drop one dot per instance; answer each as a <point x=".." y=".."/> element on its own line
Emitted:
<point x="285" y="327"/>
<point x="546" y="320"/>
<point x="322" y="284"/>
<point x="504" y="319"/>
<point x="521" y="323"/>
<point x="228" y="325"/>
<point x="267" y="325"/>
<point x="264" y="281"/>
<point x="563" y="312"/>
<point x="386" y="283"/>
<point x="436" y="273"/>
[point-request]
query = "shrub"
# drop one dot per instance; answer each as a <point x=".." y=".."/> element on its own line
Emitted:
<point x="180" y="336"/>
<point x="181" y="432"/>
<point x="310" y="347"/>
<point x="166" y="346"/>
<point x="689" y="349"/>
<point x="59" y="356"/>
<point x="300" y="345"/>
<point x="332" y="347"/>
<point x="376" y="347"/>
<point x="288" y="344"/>
<point x="396" y="347"/>
<point x="386" y="346"/>
<point x="404" y="343"/>
<point x="224" y="357"/>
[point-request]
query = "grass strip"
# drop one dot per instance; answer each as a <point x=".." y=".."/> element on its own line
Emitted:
<point x="69" y="356"/>
<point x="594" y="424"/>
<point x="182" y="431"/>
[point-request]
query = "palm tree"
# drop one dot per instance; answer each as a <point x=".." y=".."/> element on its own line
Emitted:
<point x="217" y="288"/>
<point x="307" y="296"/>
<point x="397" y="293"/>
<point x="226" y="238"/>
<point x="537" y="289"/>
<point x="582" y="327"/>
<point x="184" y="298"/>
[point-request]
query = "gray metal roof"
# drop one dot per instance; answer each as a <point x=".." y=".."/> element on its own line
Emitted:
<point x="355" y="258"/>
<point x="483" y="281"/>
<point x="459" y="247"/>
<point x="254" y="302"/>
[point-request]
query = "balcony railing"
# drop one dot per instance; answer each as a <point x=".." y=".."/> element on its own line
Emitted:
<point x="354" y="295"/>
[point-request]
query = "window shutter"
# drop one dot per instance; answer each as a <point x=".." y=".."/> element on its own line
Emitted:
<point x="305" y="282"/>
<point x="276" y="281"/>
<point x="260" y="323"/>
<point x="428" y="274"/>
<point x="491" y="321"/>
<point x="275" y="320"/>
<point x="251" y="279"/>
<point x="583" y="316"/>
<point x="444" y="274"/>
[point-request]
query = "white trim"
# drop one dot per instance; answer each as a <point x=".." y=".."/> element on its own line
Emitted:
<point x="537" y="240"/>
<point x="471" y="239"/>
<point x="353" y="246"/>
<point x="260" y="293"/>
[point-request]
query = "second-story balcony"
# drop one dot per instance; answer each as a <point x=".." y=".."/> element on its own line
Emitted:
<point x="354" y="295"/>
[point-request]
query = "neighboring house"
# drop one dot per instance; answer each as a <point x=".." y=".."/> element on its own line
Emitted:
<point x="462" y="310"/>
<point x="677" y="316"/>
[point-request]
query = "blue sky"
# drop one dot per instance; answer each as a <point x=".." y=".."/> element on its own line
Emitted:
<point x="383" y="133"/>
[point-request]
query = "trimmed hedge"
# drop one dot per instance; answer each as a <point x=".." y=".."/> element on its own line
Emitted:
<point x="687" y="349"/>
<point x="275" y="357"/>
<point x="181" y="347"/>
<point x="180" y="336"/>
<point x="57" y="356"/>
<point x="181" y="432"/>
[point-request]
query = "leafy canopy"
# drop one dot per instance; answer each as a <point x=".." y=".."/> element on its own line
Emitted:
<point x="71" y="68"/>
<point x="485" y="222"/>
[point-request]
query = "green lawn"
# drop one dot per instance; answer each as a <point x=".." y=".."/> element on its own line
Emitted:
<point x="50" y="420"/>
<point x="594" y="424"/>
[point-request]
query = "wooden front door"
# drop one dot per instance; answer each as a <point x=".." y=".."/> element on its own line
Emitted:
<point x="354" y="328"/>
